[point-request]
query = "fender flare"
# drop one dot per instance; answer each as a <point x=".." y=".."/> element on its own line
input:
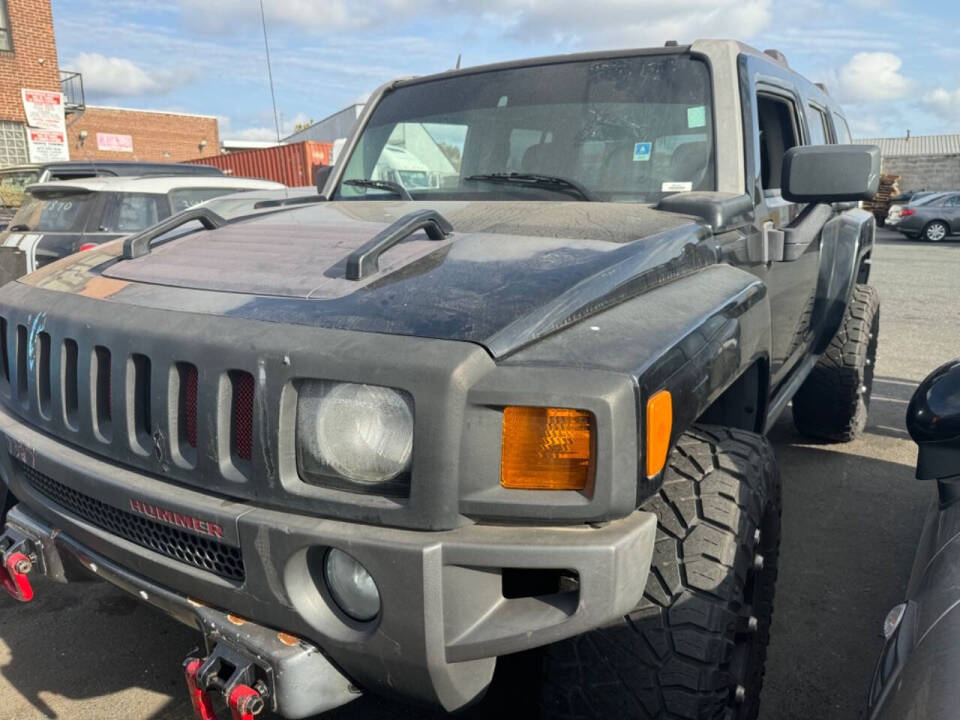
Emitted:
<point x="845" y="241"/>
<point x="694" y="336"/>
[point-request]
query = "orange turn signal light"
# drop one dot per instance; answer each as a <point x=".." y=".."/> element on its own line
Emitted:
<point x="547" y="448"/>
<point x="659" y="426"/>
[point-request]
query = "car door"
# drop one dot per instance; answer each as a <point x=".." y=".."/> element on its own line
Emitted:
<point x="951" y="213"/>
<point x="775" y="120"/>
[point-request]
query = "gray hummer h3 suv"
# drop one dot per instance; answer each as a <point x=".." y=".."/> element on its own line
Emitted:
<point x="498" y="392"/>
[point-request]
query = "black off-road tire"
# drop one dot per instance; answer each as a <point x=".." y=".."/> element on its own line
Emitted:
<point x="696" y="645"/>
<point x="833" y="402"/>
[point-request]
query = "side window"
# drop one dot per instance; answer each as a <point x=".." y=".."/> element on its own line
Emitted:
<point x="131" y="212"/>
<point x="843" y="130"/>
<point x="5" y="42"/>
<point x="778" y="133"/>
<point x="819" y="128"/>
<point x="952" y="201"/>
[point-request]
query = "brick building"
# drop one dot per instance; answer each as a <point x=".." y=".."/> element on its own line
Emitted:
<point x="109" y="133"/>
<point x="28" y="59"/>
<point x="923" y="162"/>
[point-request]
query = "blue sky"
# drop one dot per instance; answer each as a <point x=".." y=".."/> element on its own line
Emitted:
<point x="885" y="60"/>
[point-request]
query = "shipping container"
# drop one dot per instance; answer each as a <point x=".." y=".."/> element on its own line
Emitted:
<point x="294" y="165"/>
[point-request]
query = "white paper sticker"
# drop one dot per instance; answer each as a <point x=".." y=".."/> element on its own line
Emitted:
<point x="641" y="151"/>
<point x="676" y="187"/>
<point x="696" y="116"/>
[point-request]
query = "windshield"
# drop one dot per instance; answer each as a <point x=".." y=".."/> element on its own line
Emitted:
<point x="66" y="213"/>
<point x="624" y="129"/>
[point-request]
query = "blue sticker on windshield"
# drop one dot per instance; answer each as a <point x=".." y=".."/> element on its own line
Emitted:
<point x="641" y="151"/>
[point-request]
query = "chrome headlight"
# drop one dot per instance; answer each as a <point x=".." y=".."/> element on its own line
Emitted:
<point x="359" y="433"/>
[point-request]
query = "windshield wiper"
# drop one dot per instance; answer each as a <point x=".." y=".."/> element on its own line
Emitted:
<point x="395" y="188"/>
<point x="19" y="227"/>
<point x="547" y="182"/>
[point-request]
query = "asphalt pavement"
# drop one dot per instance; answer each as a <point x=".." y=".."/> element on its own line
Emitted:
<point x="852" y="516"/>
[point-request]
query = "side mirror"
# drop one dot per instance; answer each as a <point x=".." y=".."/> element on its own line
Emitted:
<point x="933" y="420"/>
<point x="830" y="173"/>
<point x="323" y="172"/>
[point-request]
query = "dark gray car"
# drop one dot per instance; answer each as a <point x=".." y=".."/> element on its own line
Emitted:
<point x="916" y="675"/>
<point x="933" y="218"/>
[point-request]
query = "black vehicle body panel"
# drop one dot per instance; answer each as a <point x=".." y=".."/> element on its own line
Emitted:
<point x="916" y="674"/>
<point x="511" y="272"/>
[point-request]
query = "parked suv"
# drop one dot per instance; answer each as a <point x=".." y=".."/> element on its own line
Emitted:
<point x="60" y="218"/>
<point x="373" y="443"/>
<point x="14" y="179"/>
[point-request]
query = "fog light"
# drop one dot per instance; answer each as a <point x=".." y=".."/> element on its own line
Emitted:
<point x="351" y="586"/>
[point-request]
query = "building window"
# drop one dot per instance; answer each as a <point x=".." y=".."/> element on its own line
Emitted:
<point x="6" y="42"/>
<point x="13" y="143"/>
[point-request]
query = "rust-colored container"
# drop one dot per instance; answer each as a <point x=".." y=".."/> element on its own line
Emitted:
<point x="294" y="165"/>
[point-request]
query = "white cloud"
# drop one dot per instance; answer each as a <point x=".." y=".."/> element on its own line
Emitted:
<point x="871" y="76"/>
<point x="118" y="77"/>
<point x="254" y="133"/>
<point x="631" y="23"/>
<point x="943" y="103"/>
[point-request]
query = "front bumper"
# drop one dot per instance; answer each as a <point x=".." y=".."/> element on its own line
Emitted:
<point x="444" y="617"/>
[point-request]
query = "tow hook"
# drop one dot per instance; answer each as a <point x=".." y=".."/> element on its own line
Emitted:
<point x="228" y="673"/>
<point x="17" y="560"/>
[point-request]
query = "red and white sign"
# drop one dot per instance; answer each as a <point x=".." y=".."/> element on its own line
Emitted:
<point x="114" y="143"/>
<point x="47" y="145"/>
<point x="44" y="109"/>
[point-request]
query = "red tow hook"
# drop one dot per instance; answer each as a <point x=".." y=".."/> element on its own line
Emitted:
<point x="199" y="698"/>
<point x="14" y="578"/>
<point x="245" y="703"/>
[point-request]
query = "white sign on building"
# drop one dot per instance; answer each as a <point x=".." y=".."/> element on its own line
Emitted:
<point x="47" y="145"/>
<point x="46" y="127"/>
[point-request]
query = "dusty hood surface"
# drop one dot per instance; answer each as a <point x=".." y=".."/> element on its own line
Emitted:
<point x="509" y="273"/>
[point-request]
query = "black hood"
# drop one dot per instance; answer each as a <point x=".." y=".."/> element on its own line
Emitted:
<point x="509" y="273"/>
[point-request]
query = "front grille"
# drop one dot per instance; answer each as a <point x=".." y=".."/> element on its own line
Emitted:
<point x="203" y="553"/>
<point x="138" y="403"/>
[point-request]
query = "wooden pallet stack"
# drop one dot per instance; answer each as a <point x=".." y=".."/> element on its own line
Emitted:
<point x="880" y="204"/>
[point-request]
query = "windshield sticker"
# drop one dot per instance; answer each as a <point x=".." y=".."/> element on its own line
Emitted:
<point x="696" y="116"/>
<point x="641" y="151"/>
<point x="676" y="187"/>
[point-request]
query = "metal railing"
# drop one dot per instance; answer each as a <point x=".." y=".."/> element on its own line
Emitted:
<point x="71" y="85"/>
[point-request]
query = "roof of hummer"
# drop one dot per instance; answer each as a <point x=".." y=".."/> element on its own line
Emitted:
<point x="678" y="49"/>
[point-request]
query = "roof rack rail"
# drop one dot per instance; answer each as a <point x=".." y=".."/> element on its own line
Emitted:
<point x="140" y="244"/>
<point x="365" y="260"/>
